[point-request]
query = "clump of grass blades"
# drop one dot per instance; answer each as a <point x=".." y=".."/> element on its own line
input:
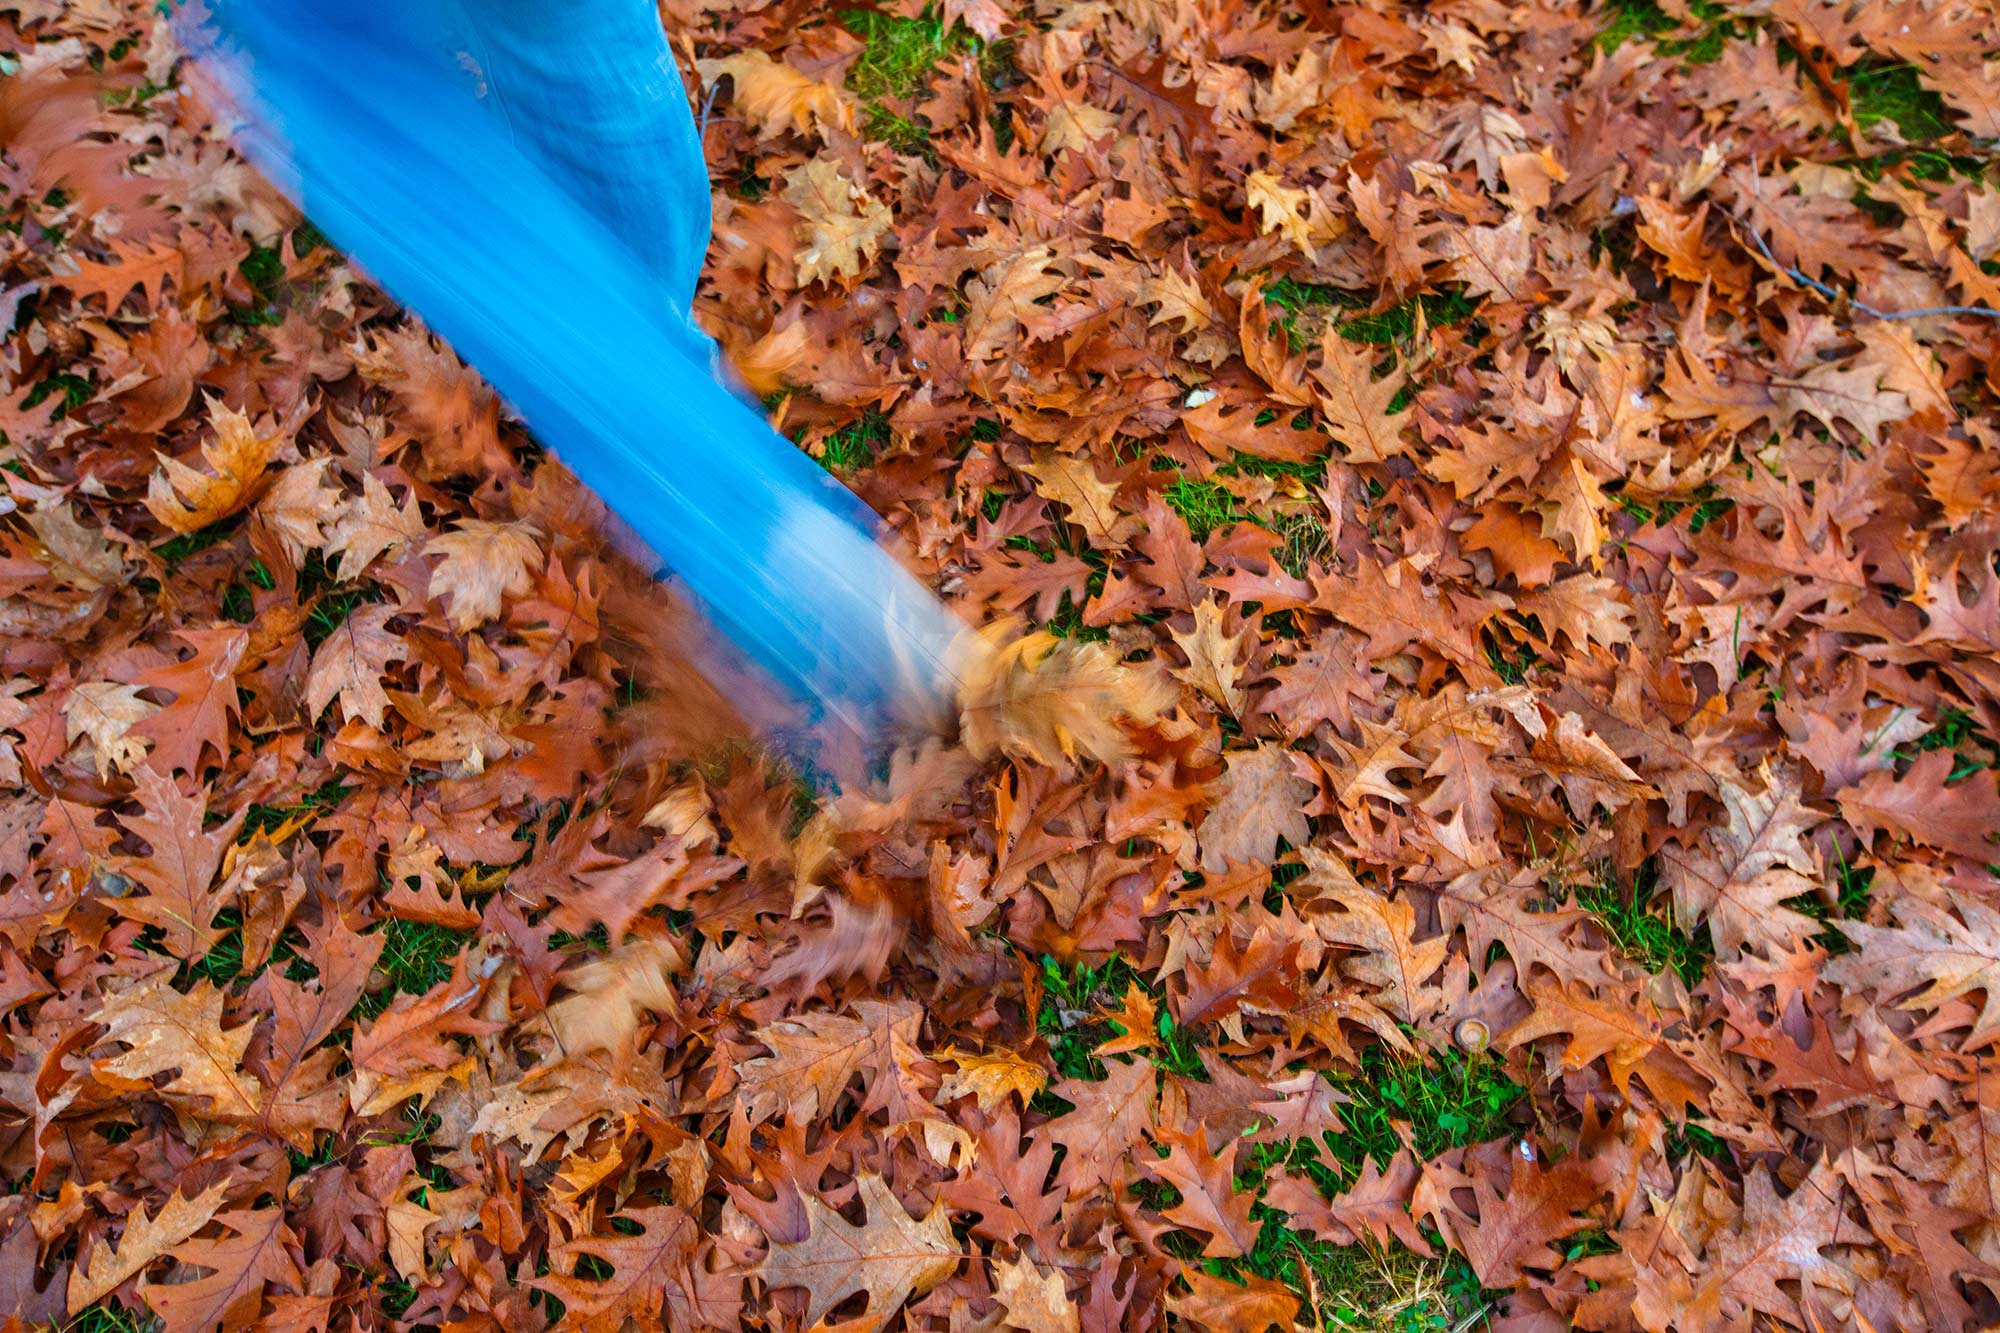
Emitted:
<point x="1892" y="93"/>
<point x="1640" y="925"/>
<point x="897" y="62"/>
<point x="1371" y="1288"/>
<point x="417" y="955"/>
<point x="1305" y="308"/>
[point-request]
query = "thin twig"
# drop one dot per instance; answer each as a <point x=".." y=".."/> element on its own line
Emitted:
<point x="1832" y="295"/>
<point x="707" y="105"/>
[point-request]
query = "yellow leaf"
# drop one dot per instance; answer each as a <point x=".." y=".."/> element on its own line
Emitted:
<point x="1088" y="501"/>
<point x="104" y="713"/>
<point x="1035" y="1301"/>
<point x="144" y="1240"/>
<point x="1278" y="206"/>
<point x="182" y="1032"/>
<point x="990" y="1076"/>
<point x="1357" y="404"/>
<point x="1048" y="699"/>
<point x="840" y="225"/>
<point x="186" y="500"/>
<point x="407" y="1223"/>
<point x="775" y="97"/>
<point x="1215" y="657"/>
<point x="483" y="563"/>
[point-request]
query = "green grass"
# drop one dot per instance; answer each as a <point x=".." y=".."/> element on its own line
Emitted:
<point x="1303" y="306"/>
<point x="1513" y="663"/>
<point x="1891" y="92"/>
<point x="104" y="1317"/>
<point x="1642" y="20"/>
<point x="1203" y="505"/>
<point x="1450" y="1099"/>
<point x="331" y="610"/>
<point x="1073" y="994"/>
<point x="1206" y="505"/>
<point x="223" y="963"/>
<point x="177" y="549"/>
<point x="856" y="445"/>
<point x="1306" y="542"/>
<point x="1957" y="731"/>
<point x="417" y="955"/>
<point x="1853" y="886"/>
<point x="1067" y="622"/>
<point x="1367" y="1288"/>
<point x="264" y="269"/>
<point x="1641" y="925"/>
<point x="327" y="796"/>
<point x="1701" y="511"/>
<point x="1631" y="20"/>
<point x="896" y="65"/>
<point x="75" y="391"/>
<point x="1690" y="1139"/>
<point x="395" y="1296"/>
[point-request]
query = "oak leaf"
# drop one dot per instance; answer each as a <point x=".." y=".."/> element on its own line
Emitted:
<point x="775" y="97"/>
<point x="1278" y="209"/>
<point x="205" y="699"/>
<point x="410" y="1037"/>
<point x="256" y="1255"/>
<point x="1109" y="1118"/>
<point x="990" y="1077"/>
<point x="1035" y="1301"/>
<point x="1376" y="1206"/>
<point x="1356" y="404"/>
<point x="167" y="1029"/>
<point x="656" y="1278"/>
<point x="1260" y="800"/>
<point x="1938" y="950"/>
<point x="1393" y="962"/>
<point x="372" y="525"/>
<point x="1629" y="1037"/>
<point x="144" y="1240"/>
<point x="350" y="663"/>
<point x="1087" y="501"/>
<point x="814" y="1055"/>
<point x="1517" y="1230"/>
<point x="1961" y="817"/>
<point x="186" y="500"/>
<point x="1263" y="976"/>
<point x="1779" y="1240"/>
<point x="1215" y="655"/>
<point x="481" y="564"/>
<point x="145" y="268"/>
<point x="85" y="558"/>
<point x="181" y="895"/>
<point x="1005" y="293"/>
<point x="609" y="996"/>
<point x="297" y="506"/>
<point x="1743" y="872"/>
<point x="1051" y="700"/>
<point x="103" y="712"/>
<point x="890" y="1256"/>
<point x="1254" y="1305"/>
<point x="1210" y="1201"/>
<point x="840" y="224"/>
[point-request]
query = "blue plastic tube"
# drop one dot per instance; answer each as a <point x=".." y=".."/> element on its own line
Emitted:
<point x="397" y="125"/>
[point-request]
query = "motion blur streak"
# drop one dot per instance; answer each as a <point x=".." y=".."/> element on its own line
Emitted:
<point x="380" y="122"/>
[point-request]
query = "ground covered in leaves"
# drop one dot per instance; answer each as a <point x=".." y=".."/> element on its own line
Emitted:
<point x="1559" y="894"/>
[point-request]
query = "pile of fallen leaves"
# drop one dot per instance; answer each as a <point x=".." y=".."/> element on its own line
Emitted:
<point x="1558" y="889"/>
